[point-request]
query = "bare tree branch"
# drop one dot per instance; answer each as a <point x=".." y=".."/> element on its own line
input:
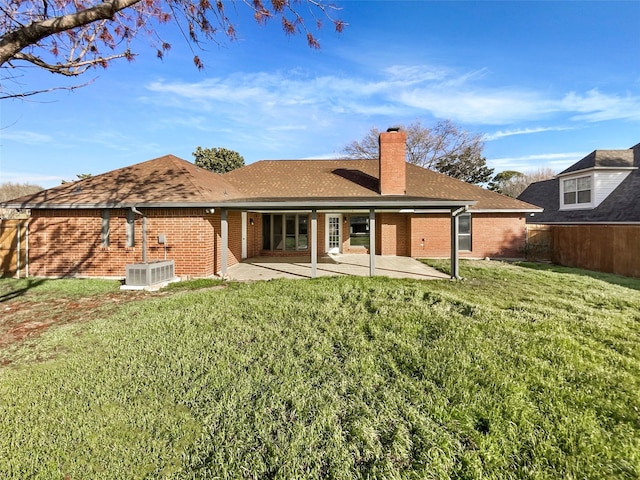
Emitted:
<point x="445" y="147"/>
<point x="14" y="41"/>
<point x="68" y="37"/>
<point x="69" y="69"/>
<point x="36" y="92"/>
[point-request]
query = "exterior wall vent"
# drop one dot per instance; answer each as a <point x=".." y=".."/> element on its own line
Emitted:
<point x="148" y="274"/>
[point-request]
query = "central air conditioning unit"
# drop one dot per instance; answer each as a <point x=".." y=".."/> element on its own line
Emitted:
<point x="149" y="274"/>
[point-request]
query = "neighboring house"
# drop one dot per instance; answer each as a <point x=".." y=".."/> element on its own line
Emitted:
<point x="208" y="222"/>
<point x="594" y="209"/>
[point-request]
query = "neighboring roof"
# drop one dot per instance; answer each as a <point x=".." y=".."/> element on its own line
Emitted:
<point x="164" y="181"/>
<point x="351" y="180"/>
<point x="603" y="159"/>
<point x="622" y="205"/>
<point x="172" y="182"/>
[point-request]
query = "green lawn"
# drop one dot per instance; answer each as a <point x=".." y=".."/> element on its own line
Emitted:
<point x="515" y="372"/>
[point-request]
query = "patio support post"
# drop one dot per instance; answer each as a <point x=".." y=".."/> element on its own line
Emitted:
<point x="314" y="242"/>
<point x="372" y="242"/>
<point x="455" y="222"/>
<point x="224" y="227"/>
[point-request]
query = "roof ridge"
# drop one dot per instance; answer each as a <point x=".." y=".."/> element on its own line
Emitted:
<point x="180" y="163"/>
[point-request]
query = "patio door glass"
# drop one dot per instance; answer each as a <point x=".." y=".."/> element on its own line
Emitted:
<point x="333" y="233"/>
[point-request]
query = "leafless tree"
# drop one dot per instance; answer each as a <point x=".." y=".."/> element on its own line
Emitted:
<point x="68" y="37"/>
<point x="9" y="191"/>
<point x="438" y="148"/>
<point x="425" y="145"/>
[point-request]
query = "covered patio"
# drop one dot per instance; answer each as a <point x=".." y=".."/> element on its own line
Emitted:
<point x="269" y="268"/>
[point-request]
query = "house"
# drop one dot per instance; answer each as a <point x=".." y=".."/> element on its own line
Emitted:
<point x="593" y="210"/>
<point x="205" y="222"/>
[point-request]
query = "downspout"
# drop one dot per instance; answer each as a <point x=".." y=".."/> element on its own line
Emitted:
<point x="144" y="233"/>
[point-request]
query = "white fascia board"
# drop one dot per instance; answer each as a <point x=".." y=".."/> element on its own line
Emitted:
<point x="613" y="224"/>
<point x="585" y="171"/>
<point x="506" y="210"/>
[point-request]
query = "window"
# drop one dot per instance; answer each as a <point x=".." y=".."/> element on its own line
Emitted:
<point x="288" y="232"/>
<point x="104" y="235"/>
<point x="577" y="191"/>
<point x="131" y="221"/>
<point x="359" y="231"/>
<point x="464" y="232"/>
<point x="266" y="232"/>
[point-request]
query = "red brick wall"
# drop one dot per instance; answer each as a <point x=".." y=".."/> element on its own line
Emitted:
<point x="393" y="167"/>
<point x="254" y="234"/>
<point x="496" y="235"/>
<point x="393" y="234"/>
<point x="68" y="242"/>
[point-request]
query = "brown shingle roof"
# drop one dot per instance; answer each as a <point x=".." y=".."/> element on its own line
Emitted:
<point x="167" y="180"/>
<point x="352" y="179"/>
<point x="171" y="181"/>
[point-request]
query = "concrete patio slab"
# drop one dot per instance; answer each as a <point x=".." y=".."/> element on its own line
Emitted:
<point x="268" y="268"/>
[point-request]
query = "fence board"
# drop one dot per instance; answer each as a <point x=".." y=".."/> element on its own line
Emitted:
<point x="603" y="248"/>
<point x="13" y="251"/>
<point x="539" y="243"/>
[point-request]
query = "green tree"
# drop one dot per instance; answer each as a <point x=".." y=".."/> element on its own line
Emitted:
<point x="443" y="147"/>
<point x="218" y="160"/>
<point x="67" y="37"/>
<point x="513" y="183"/>
<point x="81" y="176"/>
<point x="502" y="182"/>
<point x="468" y="166"/>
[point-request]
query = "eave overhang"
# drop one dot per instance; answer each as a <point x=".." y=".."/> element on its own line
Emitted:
<point x="267" y="204"/>
<point x="598" y="168"/>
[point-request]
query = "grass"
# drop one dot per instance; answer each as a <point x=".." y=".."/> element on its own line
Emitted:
<point x="196" y="284"/>
<point x="44" y="289"/>
<point x="515" y="372"/>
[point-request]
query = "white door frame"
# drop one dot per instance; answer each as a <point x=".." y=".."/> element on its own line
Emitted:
<point x="328" y="218"/>
<point x="244" y="235"/>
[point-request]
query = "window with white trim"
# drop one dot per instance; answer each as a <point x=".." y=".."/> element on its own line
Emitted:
<point x="285" y="231"/>
<point x="576" y="191"/>
<point x="464" y="232"/>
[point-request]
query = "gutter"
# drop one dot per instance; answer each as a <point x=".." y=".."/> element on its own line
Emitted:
<point x="270" y="204"/>
<point x="144" y="233"/>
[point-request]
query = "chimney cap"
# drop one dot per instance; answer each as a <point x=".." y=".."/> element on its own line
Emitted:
<point x="393" y="129"/>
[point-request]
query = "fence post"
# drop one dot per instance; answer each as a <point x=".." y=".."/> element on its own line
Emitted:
<point x="18" y="256"/>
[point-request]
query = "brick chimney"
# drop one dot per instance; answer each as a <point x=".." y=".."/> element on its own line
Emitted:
<point x="393" y="167"/>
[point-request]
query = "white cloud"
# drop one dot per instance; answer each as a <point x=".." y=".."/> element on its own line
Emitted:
<point x="23" y="136"/>
<point x="555" y="161"/>
<point x="522" y="131"/>
<point x="594" y="106"/>
<point x="401" y="91"/>
<point x="30" y="177"/>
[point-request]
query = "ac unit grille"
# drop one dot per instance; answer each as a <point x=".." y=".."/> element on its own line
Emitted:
<point x="147" y="274"/>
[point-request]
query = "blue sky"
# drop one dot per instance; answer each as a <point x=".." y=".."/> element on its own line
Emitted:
<point x="545" y="82"/>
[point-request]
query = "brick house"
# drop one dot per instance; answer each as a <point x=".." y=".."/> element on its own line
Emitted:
<point x="168" y="208"/>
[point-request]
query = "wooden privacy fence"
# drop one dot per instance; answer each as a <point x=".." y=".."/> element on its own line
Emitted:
<point x="13" y="248"/>
<point x="539" y="244"/>
<point x="604" y="248"/>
